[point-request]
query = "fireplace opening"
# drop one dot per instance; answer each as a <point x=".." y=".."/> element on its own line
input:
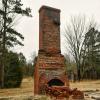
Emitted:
<point x="55" y="82"/>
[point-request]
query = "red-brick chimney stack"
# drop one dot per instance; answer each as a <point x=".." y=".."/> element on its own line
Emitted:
<point x="50" y="68"/>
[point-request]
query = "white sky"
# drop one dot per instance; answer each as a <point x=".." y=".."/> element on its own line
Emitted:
<point x="30" y="26"/>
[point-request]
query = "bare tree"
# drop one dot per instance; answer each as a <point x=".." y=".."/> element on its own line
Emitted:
<point x="74" y="38"/>
<point x="32" y="57"/>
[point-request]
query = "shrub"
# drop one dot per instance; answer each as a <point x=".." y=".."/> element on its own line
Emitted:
<point x="13" y="71"/>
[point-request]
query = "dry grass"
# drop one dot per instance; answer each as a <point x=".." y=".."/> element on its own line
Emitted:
<point x="27" y="87"/>
<point x="86" y="85"/>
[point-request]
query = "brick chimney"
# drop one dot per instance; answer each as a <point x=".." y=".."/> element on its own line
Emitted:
<point x="50" y="67"/>
<point x="49" y="29"/>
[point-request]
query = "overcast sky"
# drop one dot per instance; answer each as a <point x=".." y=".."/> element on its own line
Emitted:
<point x="30" y="26"/>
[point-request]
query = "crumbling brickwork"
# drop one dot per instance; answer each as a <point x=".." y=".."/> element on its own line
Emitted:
<point x="50" y="67"/>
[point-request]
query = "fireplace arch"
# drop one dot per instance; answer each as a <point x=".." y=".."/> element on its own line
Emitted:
<point x="55" y="82"/>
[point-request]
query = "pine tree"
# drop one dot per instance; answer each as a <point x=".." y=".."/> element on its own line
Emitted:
<point x="9" y="36"/>
<point x="13" y="70"/>
<point x="92" y="50"/>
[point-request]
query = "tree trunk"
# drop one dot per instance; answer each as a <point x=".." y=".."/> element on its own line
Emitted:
<point x="78" y="74"/>
<point x="3" y="47"/>
<point x="0" y="73"/>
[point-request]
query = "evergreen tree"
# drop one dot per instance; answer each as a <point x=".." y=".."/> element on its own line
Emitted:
<point x="9" y="36"/>
<point x="92" y="52"/>
<point x="13" y="70"/>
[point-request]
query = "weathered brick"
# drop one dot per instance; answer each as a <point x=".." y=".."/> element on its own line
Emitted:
<point x="50" y="62"/>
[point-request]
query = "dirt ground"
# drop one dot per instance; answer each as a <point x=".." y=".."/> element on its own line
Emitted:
<point x="27" y="87"/>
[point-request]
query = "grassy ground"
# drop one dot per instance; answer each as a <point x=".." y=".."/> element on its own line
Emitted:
<point x="86" y="85"/>
<point x="27" y="87"/>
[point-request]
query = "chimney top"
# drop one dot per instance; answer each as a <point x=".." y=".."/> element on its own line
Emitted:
<point x="49" y="8"/>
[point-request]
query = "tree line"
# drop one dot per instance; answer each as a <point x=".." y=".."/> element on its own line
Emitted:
<point x="82" y="40"/>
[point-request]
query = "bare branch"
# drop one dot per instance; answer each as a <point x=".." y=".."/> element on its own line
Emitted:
<point x="74" y="36"/>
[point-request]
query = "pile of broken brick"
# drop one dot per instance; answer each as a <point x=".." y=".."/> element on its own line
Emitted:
<point x="64" y="92"/>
